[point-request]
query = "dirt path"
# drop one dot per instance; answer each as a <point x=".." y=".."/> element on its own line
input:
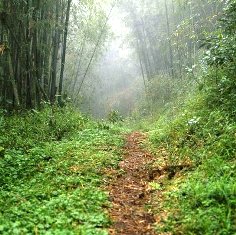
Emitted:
<point x="129" y="191"/>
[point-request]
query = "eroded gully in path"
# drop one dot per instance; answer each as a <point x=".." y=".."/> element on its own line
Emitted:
<point x="129" y="191"/>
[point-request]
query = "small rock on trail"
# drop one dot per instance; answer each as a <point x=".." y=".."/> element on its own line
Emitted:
<point x="129" y="191"/>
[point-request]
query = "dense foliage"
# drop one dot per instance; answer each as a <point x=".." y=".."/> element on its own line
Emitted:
<point x="200" y="199"/>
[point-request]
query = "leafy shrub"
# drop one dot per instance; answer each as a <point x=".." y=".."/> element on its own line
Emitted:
<point x="114" y="116"/>
<point x="222" y="44"/>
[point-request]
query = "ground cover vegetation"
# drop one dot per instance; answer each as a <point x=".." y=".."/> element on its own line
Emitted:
<point x="52" y="170"/>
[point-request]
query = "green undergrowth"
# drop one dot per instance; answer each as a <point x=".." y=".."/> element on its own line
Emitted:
<point x="51" y="172"/>
<point x="200" y="196"/>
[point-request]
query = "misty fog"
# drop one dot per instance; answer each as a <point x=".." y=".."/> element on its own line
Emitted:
<point x="134" y="55"/>
<point x="118" y="83"/>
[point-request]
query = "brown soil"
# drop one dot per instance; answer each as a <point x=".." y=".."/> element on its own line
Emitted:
<point x="129" y="191"/>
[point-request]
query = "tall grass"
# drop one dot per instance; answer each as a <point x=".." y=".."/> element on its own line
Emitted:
<point x="201" y="199"/>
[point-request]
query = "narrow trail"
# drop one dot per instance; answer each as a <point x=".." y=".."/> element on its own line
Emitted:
<point x="129" y="191"/>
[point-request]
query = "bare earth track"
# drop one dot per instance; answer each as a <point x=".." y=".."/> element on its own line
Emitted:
<point x="129" y="191"/>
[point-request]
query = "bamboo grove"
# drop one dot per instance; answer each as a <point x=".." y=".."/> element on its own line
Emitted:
<point x="36" y="37"/>
<point x="168" y="37"/>
<point x="33" y="46"/>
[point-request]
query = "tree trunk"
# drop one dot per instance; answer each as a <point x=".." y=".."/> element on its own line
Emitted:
<point x="169" y="40"/>
<point x="64" y="53"/>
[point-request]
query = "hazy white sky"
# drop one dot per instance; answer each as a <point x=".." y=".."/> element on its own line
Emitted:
<point x="120" y="31"/>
